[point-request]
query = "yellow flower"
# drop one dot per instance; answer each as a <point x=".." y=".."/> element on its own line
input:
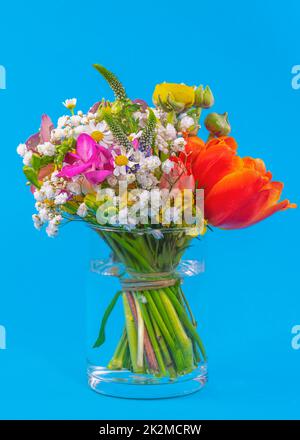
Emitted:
<point x="174" y="96"/>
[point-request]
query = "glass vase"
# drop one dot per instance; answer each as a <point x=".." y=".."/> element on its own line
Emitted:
<point x="143" y="332"/>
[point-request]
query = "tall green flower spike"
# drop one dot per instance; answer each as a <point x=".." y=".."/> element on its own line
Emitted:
<point x="147" y="137"/>
<point x="117" y="131"/>
<point x="113" y="81"/>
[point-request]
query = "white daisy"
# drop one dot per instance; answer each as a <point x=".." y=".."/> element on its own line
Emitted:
<point x="100" y="133"/>
<point x="123" y="161"/>
<point x="70" y="103"/>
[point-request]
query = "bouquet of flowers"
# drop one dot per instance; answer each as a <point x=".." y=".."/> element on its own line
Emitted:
<point x="141" y="177"/>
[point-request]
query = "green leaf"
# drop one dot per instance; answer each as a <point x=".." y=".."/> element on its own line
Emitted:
<point x="39" y="162"/>
<point x="63" y="149"/>
<point x="101" y="336"/>
<point x="113" y="82"/>
<point x="36" y="162"/>
<point x="32" y="176"/>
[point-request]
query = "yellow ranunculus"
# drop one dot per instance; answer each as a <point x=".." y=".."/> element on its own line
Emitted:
<point x="174" y="96"/>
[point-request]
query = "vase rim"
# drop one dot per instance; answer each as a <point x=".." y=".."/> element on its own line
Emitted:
<point x="146" y="230"/>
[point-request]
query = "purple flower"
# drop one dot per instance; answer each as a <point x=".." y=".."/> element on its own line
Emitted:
<point x="90" y="159"/>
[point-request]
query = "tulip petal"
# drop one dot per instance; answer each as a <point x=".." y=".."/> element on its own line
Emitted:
<point x="282" y="206"/>
<point x="243" y="215"/>
<point x="215" y="164"/>
<point x="230" y="193"/>
<point x="223" y="141"/>
<point x="33" y="141"/>
<point x="46" y="128"/>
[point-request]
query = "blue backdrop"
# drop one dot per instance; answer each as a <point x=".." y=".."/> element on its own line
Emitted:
<point x="245" y="51"/>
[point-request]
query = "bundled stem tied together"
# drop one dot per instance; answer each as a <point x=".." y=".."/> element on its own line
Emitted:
<point x="159" y="335"/>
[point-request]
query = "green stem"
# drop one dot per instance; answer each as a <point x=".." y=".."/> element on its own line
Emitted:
<point x="185" y="302"/>
<point x="184" y="340"/>
<point x="185" y="320"/>
<point x="175" y="352"/>
<point x="163" y="347"/>
<point x="152" y="337"/>
<point x="116" y="363"/>
<point x="140" y="331"/>
<point x="133" y="252"/>
<point x="131" y="334"/>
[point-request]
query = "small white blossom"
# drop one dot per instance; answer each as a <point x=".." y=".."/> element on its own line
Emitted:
<point x="27" y="158"/>
<point x="44" y="214"/>
<point x="37" y="222"/>
<point x="70" y="103"/>
<point x="39" y="196"/>
<point x="52" y="228"/>
<point x="82" y="210"/>
<point x="61" y="198"/>
<point x="75" y="120"/>
<point x="179" y="144"/>
<point x="130" y="178"/>
<point x="151" y="163"/>
<point x="48" y="190"/>
<point x="58" y="134"/>
<point x="186" y="123"/>
<point x="170" y="132"/>
<point x="74" y="188"/>
<point x="112" y="180"/>
<point x="54" y="178"/>
<point x="22" y="149"/>
<point x="62" y="121"/>
<point x="46" y="149"/>
<point x="78" y="130"/>
<point x="167" y="166"/>
<point x="146" y="180"/>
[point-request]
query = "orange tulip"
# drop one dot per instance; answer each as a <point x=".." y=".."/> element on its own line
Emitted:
<point x="238" y="191"/>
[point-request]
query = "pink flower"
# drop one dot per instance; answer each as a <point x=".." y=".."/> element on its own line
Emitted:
<point x="42" y="136"/>
<point x="90" y="159"/>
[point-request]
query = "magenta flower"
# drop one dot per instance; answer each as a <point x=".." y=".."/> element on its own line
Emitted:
<point x="90" y="159"/>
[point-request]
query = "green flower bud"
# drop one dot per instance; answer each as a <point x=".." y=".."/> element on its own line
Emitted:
<point x="217" y="124"/>
<point x="208" y="98"/>
<point x="199" y="92"/>
<point x="204" y="97"/>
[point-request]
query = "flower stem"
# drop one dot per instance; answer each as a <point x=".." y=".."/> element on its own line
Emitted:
<point x="131" y="334"/>
<point x="152" y="337"/>
<point x="185" y="320"/>
<point x="163" y="347"/>
<point x="175" y="351"/>
<point x="183" y="339"/>
<point x="116" y="363"/>
<point x="140" y="330"/>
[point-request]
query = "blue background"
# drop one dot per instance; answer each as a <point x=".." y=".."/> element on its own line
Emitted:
<point x="250" y="292"/>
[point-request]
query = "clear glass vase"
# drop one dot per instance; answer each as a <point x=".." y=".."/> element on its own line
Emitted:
<point x="143" y="338"/>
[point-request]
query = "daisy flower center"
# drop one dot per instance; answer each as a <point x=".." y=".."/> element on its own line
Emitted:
<point x="97" y="136"/>
<point x="121" y="160"/>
